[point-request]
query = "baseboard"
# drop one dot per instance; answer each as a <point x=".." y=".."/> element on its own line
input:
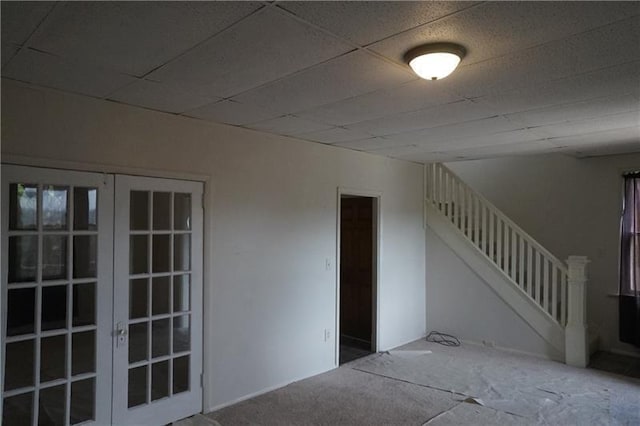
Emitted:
<point x="210" y="409"/>
<point x="515" y="351"/>
<point x="424" y="336"/>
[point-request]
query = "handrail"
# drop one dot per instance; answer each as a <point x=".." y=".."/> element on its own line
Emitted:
<point x="530" y="266"/>
<point x="512" y="224"/>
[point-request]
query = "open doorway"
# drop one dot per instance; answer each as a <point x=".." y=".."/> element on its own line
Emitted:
<point x="358" y="276"/>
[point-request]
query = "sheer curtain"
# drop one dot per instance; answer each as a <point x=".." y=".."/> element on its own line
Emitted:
<point x="630" y="261"/>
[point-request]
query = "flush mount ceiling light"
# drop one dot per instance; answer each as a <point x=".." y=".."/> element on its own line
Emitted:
<point x="435" y="61"/>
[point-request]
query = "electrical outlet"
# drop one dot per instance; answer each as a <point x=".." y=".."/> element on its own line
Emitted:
<point x="327" y="334"/>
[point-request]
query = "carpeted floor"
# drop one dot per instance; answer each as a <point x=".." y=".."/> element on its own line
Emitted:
<point x="425" y="383"/>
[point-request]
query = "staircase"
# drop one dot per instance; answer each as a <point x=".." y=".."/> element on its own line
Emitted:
<point x="549" y="294"/>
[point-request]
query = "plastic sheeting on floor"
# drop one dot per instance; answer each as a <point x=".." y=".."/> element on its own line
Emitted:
<point x="512" y="388"/>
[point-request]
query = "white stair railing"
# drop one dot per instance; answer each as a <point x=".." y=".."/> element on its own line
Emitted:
<point x="533" y="269"/>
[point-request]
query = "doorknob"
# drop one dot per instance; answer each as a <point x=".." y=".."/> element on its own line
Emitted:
<point x="121" y="334"/>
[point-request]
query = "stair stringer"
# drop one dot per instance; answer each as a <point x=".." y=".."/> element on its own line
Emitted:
<point x="539" y="320"/>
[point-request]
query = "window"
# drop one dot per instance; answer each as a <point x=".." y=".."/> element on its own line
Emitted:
<point x="630" y="261"/>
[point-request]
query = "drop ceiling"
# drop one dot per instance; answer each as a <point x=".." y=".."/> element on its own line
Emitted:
<point x="539" y="77"/>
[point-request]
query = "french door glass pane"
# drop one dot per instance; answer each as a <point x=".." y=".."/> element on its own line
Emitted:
<point x="139" y="254"/>
<point x="85" y="210"/>
<point x="21" y="304"/>
<point x="53" y="359"/>
<point x="52" y="409"/>
<point x="23" y="206"/>
<point x="181" y="292"/>
<point x="138" y="342"/>
<point x="82" y="401"/>
<point x="159" y="380"/>
<point x="161" y="253"/>
<point x="23" y="258"/>
<point x="54" y="307"/>
<point x="54" y="257"/>
<point x="160" y="338"/>
<point x="54" y="207"/>
<point x="180" y="374"/>
<point x="85" y="256"/>
<point x="182" y="211"/>
<point x="84" y="304"/>
<point x="139" y="210"/>
<point x="161" y="296"/>
<point x="17" y="356"/>
<point x="161" y="206"/>
<point x="83" y="352"/>
<point x="181" y="334"/>
<point x="182" y="252"/>
<point x="17" y="410"/>
<point x="138" y="298"/>
<point x="137" y="386"/>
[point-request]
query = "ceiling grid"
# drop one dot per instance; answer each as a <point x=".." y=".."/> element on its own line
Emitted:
<point x="538" y="77"/>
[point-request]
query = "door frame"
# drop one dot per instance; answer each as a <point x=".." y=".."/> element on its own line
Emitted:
<point x="207" y="244"/>
<point x="377" y="255"/>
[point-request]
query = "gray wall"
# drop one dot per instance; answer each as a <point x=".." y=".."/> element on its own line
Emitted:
<point x="571" y="206"/>
<point x="270" y="223"/>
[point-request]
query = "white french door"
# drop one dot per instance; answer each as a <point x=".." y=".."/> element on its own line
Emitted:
<point x="57" y="275"/>
<point x="70" y="355"/>
<point x="158" y="288"/>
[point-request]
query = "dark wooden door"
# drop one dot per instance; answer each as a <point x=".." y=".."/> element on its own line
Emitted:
<point x="356" y="268"/>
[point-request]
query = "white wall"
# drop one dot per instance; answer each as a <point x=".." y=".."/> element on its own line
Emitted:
<point x="571" y="206"/>
<point x="461" y="303"/>
<point x="270" y="224"/>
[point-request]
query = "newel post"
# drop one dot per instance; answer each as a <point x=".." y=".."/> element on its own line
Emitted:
<point x="576" y="337"/>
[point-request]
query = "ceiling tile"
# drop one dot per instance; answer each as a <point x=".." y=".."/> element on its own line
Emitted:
<point x="496" y="139"/>
<point x="21" y="18"/>
<point x="606" y="46"/>
<point x="497" y="28"/>
<point x="398" y="151"/>
<point x="617" y="80"/>
<point x="580" y="127"/>
<point x="456" y="112"/>
<point x="577" y="111"/>
<point x="341" y="78"/>
<point x="266" y="46"/>
<point x="8" y="51"/>
<point x="51" y="71"/>
<point x="610" y="149"/>
<point x="289" y="125"/>
<point x="370" y="144"/>
<point x="160" y="97"/>
<point x="364" y="22"/>
<point x="134" y="37"/>
<point x="411" y="96"/>
<point x="501" y="150"/>
<point x="334" y="135"/>
<point x="483" y="126"/>
<point x="600" y="138"/>
<point x="232" y="112"/>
